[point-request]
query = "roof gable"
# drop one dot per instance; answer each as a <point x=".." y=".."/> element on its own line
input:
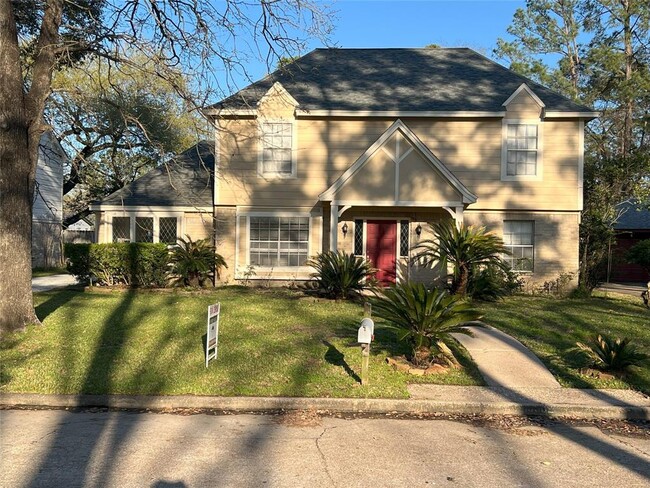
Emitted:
<point x="397" y="144"/>
<point x="523" y="88"/>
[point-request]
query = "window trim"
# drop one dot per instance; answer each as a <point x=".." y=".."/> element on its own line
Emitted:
<point x="180" y="223"/>
<point x="533" y="245"/>
<point x="286" y="269"/>
<point x="260" y="149"/>
<point x="539" y="169"/>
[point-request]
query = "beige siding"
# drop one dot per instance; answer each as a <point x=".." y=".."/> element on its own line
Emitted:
<point x="198" y="225"/>
<point x="225" y="233"/>
<point x="419" y="182"/>
<point x="556" y="239"/>
<point x="471" y="149"/>
<point x="523" y="106"/>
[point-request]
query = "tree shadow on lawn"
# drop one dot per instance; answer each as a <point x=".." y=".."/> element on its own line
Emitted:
<point x="56" y="299"/>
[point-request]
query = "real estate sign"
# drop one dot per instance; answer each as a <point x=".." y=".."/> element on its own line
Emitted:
<point x="212" y="336"/>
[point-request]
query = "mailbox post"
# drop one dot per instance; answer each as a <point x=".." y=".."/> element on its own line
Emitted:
<point x="365" y="337"/>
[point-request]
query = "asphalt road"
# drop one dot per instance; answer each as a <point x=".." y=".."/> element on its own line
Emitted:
<point x="122" y="449"/>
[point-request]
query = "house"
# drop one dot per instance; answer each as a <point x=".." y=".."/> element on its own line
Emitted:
<point x="47" y="207"/>
<point x="632" y="227"/>
<point x="358" y="149"/>
<point x="169" y="202"/>
<point x="80" y="232"/>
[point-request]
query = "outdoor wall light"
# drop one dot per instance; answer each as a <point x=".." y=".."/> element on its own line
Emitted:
<point x="418" y="230"/>
<point x="345" y="229"/>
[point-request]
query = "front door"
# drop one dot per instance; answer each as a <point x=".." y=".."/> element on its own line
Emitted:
<point x="381" y="248"/>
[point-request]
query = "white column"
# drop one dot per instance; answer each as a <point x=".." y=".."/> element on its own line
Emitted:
<point x="459" y="216"/>
<point x="334" y="226"/>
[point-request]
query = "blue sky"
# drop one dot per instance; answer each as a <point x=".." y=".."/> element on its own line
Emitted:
<point x="459" y="23"/>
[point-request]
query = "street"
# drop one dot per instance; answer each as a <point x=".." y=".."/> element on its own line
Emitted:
<point x="56" y="448"/>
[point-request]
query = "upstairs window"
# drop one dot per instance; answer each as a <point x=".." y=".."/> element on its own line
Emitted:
<point x="519" y="239"/>
<point x="277" y="149"/>
<point x="522" y="150"/>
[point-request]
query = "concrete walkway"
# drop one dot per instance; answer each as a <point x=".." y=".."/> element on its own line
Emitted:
<point x="504" y="361"/>
<point x="45" y="283"/>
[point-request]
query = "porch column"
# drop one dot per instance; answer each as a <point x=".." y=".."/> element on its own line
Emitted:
<point x="459" y="216"/>
<point x="334" y="226"/>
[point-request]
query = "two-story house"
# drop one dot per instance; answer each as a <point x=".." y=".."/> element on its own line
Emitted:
<point x="358" y="149"/>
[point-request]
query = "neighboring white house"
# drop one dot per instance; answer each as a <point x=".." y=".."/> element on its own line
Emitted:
<point x="47" y="211"/>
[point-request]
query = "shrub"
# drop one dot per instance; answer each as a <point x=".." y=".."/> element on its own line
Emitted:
<point x="607" y="354"/>
<point x="132" y="264"/>
<point x="193" y="262"/>
<point x="640" y="254"/>
<point x="492" y="283"/>
<point x="77" y="260"/>
<point x="341" y="275"/>
<point x="467" y="249"/>
<point x="425" y="319"/>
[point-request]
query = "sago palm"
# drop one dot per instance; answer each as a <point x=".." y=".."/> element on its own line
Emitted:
<point x="608" y="354"/>
<point x="466" y="248"/>
<point x="425" y="319"/>
<point x="339" y="274"/>
<point x="194" y="261"/>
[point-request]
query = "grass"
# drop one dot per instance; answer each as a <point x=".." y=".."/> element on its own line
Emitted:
<point x="271" y="343"/>
<point x="550" y="326"/>
<point x="40" y="272"/>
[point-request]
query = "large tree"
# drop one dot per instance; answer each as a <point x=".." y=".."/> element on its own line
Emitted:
<point x="597" y="52"/>
<point x="116" y="124"/>
<point x="207" y="39"/>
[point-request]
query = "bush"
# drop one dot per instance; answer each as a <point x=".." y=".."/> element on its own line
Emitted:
<point x="492" y="283"/>
<point x="640" y="254"/>
<point x="131" y="264"/>
<point x="193" y="262"/>
<point x="425" y="319"/>
<point x="607" y="354"/>
<point x="341" y="275"/>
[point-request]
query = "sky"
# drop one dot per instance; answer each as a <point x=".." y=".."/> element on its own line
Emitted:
<point x="395" y="23"/>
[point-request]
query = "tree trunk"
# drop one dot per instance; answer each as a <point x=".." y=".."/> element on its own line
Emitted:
<point x="21" y="118"/>
<point x="463" y="281"/>
<point x="17" y="171"/>
<point x="628" y="118"/>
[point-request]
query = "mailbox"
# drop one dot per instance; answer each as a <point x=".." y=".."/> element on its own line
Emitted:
<point x="365" y="335"/>
<point x="369" y="323"/>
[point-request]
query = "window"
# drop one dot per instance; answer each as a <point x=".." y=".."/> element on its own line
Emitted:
<point x="522" y="150"/>
<point x="144" y="229"/>
<point x="404" y="238"/>
<point x="277" y="145"/>
<point x="358" y="237"/>
<point x="121" y="229"/>
<point x="137" y="228"/>
<point x="279" y="241"/>
<point x="519" y="239"/>
<point x="168" y="231"/>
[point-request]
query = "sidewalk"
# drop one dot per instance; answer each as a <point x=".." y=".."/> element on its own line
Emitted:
<point x="45" y="283"/>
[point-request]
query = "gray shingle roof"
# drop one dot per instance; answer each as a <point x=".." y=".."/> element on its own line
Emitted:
<point x="445" y="79"/>
<point x="634" y="217"/>
<point x="185" y="181"/>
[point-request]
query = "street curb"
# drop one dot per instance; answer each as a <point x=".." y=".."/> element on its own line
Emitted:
<point x="334" y="405"/>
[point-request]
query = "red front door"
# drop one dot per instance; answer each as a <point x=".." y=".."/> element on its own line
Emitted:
<point x="381" y="248"/>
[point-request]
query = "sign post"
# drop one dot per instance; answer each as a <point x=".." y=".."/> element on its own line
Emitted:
<point x="364" y="337"/>
<point x="212" y="336"/>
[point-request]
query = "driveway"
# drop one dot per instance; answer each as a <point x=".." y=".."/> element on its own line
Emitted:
<point x="45" y="283"/>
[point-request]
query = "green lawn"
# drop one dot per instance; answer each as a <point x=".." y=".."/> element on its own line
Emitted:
<point x="550" y="326"/>
<point x="272" y="343"/>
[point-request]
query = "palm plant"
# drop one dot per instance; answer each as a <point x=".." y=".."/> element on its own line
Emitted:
<point x="466" y="248"/>
<point x="341" y="275"/>
<point x="425" y="319"/>
<point x="608" y="354"/>
<point x="192" y="262"/>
